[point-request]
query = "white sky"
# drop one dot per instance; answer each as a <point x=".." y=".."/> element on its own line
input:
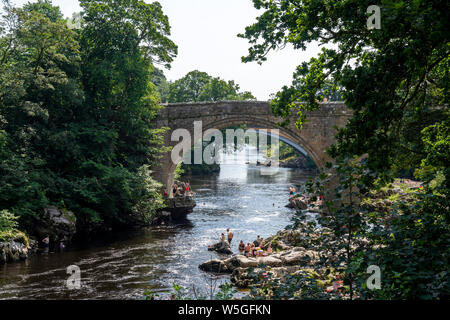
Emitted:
<point x="205" y="32"/>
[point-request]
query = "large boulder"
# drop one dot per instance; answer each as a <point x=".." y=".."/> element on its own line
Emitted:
<point x="221" y="247"/>
<point x="214" y="265"/>
<point x="242" y="278"/>
<point x="59" y="224"/>
<point x="240" y="261"/>
<point x="180" y="206"/>
<point x="162" y="218"/>
<point x="15" y="250"/>
<point x="299" y="256"/>
<point x="298" y="203"/>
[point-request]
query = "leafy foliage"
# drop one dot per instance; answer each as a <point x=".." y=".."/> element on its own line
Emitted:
<point x="395" y="81"/>
<point x="77" y="109"/>
<point x="199" y="86"/>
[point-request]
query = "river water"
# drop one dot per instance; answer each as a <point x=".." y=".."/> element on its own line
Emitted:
<point x="123" y="266"/>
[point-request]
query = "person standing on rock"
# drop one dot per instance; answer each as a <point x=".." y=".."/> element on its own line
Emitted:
<point x="230" y="236"/>
<point x="247" y="249"/>
<point x="188" y="189"/>
<point x="241" y="247"/>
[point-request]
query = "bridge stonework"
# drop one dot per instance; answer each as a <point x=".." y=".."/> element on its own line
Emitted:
<point x="315" y="137"/>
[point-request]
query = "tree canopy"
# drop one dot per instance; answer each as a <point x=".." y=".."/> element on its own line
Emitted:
<point x="395" y="80"/>
<point x="77" y="109"/>
<point x="392" y="78"/>
<point x="199" y="86"/>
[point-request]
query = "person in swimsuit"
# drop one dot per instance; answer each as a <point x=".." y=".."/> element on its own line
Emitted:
<point x="247" y="249"/>
<point x="230" y="236"/>
<point x="241" y="247"/>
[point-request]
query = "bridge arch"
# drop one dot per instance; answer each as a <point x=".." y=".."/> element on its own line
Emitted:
<point x="316" y="135"/>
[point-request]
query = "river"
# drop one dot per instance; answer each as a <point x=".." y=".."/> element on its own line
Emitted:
<point x="123" y="266"/>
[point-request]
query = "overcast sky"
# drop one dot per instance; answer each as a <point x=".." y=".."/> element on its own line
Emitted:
<point x="205" y="32"/>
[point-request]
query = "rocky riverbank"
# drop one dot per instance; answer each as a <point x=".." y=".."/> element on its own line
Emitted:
<point x="56" y="224"/>
<point x="288" y="257"/>
<point x="17" y="249"/>
<point x="297" y="251"/>
<point x="301" y="162"/>
<point x="177" y="209"/>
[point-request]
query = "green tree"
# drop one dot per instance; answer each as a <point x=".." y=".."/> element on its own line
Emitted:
<point x="395" y="80"/>
<point x="77" y="109"/>
<point x="199" y="86"/>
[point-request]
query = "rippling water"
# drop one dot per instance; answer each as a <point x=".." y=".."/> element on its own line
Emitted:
<point x="239" y="198"/>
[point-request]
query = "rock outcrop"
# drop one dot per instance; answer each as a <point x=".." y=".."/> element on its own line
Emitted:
<point x="162" y="218"/>
<point x="221" y="247"/>
<point x="59" y="225"/>
<point x="18" y="249"/>
<point x="298" y="203"/>
<point x="179" y="207"/>
<point x="289" y="256"/>
<point x="281" y="262"/>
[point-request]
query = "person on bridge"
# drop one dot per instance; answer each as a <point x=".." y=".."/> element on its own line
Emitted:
<point x="230" y="235"/>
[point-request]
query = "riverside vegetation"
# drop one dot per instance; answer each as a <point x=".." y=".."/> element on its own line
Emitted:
<point x="78" y="99"/>
<point x="396" y="82"/>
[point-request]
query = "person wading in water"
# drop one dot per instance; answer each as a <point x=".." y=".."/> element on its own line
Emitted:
<point x="230" y="236"/>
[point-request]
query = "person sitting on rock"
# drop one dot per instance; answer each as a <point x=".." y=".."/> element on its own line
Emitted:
<point x="291" y="192"/>
<point x="253" y="250"/>
<point x="259" y="252"/>
<point x="241" y="247"/>
<point x="222" y="237"/>
<point x="269" y="249"/>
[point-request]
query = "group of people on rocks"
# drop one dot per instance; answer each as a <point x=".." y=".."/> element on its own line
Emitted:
<point x="251" y="249"/>
<point x="254" y="249"/>
<point x="179" y="189"/>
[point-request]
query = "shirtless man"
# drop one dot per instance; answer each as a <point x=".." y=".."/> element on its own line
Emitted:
<point x="230" y="236"/>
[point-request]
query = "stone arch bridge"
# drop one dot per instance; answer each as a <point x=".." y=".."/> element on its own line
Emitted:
<point x="315" y="137"/>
